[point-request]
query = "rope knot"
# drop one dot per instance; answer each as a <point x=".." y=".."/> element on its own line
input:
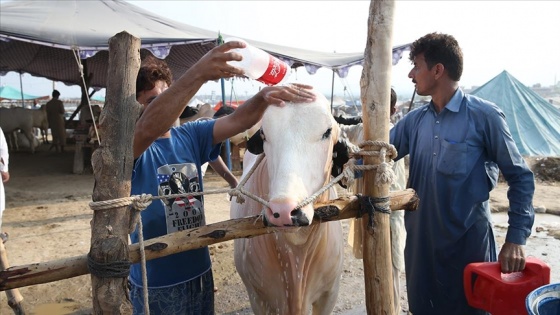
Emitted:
<point x="348" y="173"/>
<point x="384" y="174"/>
<point x="141" y="202"/>
<point x="236" y="192"/>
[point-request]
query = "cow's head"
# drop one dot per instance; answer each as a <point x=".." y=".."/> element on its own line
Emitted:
<point x="298" y="141"/>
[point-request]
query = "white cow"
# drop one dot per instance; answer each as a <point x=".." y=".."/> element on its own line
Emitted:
<point x="40" y="121"/>
<point x="298" y="270"/>
<point x="23" y="142"/>
<point x="12" y="119"/>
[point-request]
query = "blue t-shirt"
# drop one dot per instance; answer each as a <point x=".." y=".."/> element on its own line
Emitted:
<point x="172" y="166"/>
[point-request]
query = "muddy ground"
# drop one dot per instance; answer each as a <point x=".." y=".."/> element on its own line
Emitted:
<point x="48" y="217"/>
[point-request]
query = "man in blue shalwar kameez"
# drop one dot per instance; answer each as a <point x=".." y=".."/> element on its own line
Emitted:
<point x="457" y="145"/>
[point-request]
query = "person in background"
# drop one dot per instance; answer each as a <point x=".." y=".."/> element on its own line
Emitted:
<point x="398" y="232"/>
<point x="168" y="160"/>
<point x="4" y="161"/>
<point x="218" y="165"/>
<point x="457" y="144"/>
<point x="55" y="116"/>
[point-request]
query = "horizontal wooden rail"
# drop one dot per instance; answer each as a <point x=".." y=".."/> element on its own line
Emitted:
<point x="339" y="209"/>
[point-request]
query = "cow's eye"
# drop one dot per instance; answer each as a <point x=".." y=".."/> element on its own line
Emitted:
<point x="262" y="135"/>
<point x="327" y="133"/>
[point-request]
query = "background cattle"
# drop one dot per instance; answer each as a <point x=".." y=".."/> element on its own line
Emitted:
<point x="297" y="270"/>
<point x="23" y="143"/>
<point x="13" y="119"/>
<point x="192" y="114"/>
<point x="244" y="136"/>
<point x="40" y="121"/>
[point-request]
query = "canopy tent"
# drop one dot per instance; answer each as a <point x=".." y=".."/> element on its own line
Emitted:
<point x="98" y="98"/>
<point x="534" y="123"/>
<point x="233" y="104"/>
<point x="10" y="93"/>
<point x="48" y="38"/>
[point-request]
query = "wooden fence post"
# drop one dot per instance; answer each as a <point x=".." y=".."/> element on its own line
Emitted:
<point x="112" y="166"/>
<point x="375" y="94"/>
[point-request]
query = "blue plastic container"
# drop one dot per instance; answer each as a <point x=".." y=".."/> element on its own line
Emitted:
<point x="544" y="300"/>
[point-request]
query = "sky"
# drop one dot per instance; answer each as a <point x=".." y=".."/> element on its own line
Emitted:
<point x="521" y="37"/>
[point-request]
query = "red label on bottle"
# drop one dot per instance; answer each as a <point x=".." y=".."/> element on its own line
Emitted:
<point x="276" y="71"/>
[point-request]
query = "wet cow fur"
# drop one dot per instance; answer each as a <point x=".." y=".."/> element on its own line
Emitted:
<point x="298" y="269"/>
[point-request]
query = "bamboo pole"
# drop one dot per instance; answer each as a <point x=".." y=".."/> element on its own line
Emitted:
<point x="375" y="93"/>
<point x="112" y="166"/>
<point x="339" y="209"/>
<point x="15" y="299"/>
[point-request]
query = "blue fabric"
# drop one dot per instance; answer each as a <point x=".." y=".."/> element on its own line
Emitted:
<point x="9" y="93"/>
<point x="454" y="161"/>
<point x="195" y="297"/>
<point x="169" y="166"/>
<point x="533" y="121"/>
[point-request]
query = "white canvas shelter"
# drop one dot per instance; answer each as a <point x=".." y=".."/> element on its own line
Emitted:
<point x="48" y="38"/>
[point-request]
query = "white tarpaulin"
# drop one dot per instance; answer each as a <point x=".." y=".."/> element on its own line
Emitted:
<point x="46" y="38"/>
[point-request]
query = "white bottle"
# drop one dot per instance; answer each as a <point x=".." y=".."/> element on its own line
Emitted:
<point x="260" y="65"/>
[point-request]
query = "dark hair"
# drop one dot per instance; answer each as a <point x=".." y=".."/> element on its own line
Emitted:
<point x="151" y="71"/>
<point x="440" y="48"/>
<point x="55" y="93"/>
<point x="349" y="121"/>
<point x="393" y="101"/>
<point x="224" y="111"/>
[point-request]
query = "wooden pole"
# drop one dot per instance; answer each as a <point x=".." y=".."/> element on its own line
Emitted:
<point x="339" y="209"/>
<point x="375" y="93"/>
<point x="15" y="299"/>
<point x="78" y="167"/>
<point x="112" y="168"/>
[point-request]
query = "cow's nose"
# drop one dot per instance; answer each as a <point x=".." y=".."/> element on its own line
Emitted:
<point x="299" y="218"/>
<point x="283" y="212"/>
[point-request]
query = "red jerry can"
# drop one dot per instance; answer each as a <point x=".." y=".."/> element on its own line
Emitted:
<point x="487" y="288"/>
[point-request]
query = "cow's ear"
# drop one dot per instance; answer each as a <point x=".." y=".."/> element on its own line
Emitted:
<point x="255" y="143"/>
<point x="341" y="156"/>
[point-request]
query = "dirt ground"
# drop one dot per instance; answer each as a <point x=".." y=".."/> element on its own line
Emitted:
<point x="47" y="216"/>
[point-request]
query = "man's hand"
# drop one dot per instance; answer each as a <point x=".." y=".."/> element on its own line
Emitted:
<point x="213" y="65"/>
<point x="5" y="176"/>
<point x="295" y="93"/>
<point x="512" y="258"/>
<point x="248" y="114"/>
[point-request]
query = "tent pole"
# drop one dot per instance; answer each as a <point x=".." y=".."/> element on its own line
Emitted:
<point x="222" y="84"/>
<point x="21" y="90"/>
<point x="227" y="144"/>
<point x="411" y="101"/>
